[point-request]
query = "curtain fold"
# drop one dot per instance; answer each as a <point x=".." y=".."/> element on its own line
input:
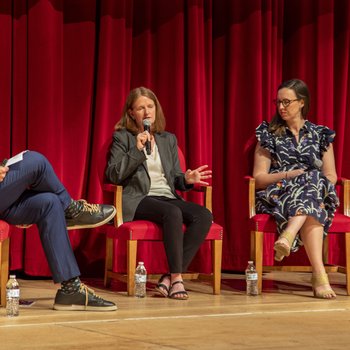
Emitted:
<point x="6" y="35"/>
<point x="247" y="69"/>
<point x="66" y="68"/>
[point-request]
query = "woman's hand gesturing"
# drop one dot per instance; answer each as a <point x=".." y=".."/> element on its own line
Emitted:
<point x="196" y="176"/>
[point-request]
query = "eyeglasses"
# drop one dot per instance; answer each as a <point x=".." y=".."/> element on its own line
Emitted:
<point x="285" y="102"/>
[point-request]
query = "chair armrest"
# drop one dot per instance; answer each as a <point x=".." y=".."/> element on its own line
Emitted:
<point x="117" y="202"/>
<point x="342" y="180"/>
<point x="251" y="195"/>
<point x="208" y="195"/>
<point x="345" y="184"/>
<point x="24" y="226"/>
<point x="109" y="187"/>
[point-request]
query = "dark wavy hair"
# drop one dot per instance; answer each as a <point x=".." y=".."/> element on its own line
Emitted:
<point x="277" y="124"/>
<point x="129" y="123"/>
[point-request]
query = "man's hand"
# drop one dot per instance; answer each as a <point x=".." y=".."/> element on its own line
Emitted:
<point x="3" y="172"/>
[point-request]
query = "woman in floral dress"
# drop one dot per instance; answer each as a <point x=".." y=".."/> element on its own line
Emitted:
<point x="295" y="174"/>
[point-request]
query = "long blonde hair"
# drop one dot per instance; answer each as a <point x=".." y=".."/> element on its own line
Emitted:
<point x="129" y="123"/>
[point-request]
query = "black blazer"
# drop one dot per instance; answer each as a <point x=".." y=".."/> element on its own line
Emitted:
<point x="127" y="167"/>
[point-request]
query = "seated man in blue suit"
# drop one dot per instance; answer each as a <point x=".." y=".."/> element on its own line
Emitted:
<point x="31" y="193"/>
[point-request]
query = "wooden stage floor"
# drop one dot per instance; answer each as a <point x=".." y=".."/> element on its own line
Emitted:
<point x="285" y="316"/>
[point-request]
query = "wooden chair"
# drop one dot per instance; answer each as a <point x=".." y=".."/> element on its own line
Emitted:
<point x="261" y="224"/>
<point x="141" y="230"/>
<point x="4" y="259"/>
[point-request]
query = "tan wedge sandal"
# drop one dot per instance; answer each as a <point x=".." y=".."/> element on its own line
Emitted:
<point x="321" y="279"/>
<point x="281" y="248"/>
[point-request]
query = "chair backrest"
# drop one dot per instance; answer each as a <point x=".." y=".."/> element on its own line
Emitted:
<point x="181" y="159"/>
<point x="103" y="159"/>
<point x="249" y="149"/>
<point x="102" y="164"/>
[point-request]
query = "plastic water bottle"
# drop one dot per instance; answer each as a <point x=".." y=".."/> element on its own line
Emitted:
<point x="251" y="276"/>
<point x="12" y="297"/>
<point x="140" y="280"/>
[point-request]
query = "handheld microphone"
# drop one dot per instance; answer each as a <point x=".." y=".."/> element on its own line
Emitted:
<point x="147" y="127"/>
<point x="317" y="164"/>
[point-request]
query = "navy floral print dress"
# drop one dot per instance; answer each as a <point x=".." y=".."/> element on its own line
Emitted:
<point x="310" y="193"/>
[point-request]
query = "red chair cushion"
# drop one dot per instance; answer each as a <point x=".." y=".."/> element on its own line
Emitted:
<point x="266" y="223"/>
<point x="262" y="223"/>
<point x="341" y="223"/>
<point x="4" y="230"/>
<point x="149" y="231"/>
<point x="215" y="232"/>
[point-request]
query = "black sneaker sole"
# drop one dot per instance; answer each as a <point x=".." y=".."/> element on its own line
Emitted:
<point x="61" y="307"/>
<point x="107" y="219"/>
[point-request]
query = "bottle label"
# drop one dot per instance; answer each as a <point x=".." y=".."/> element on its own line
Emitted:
<point x="252" y="276"/>
<point x="140" y="278"/>
<point x="12" y="293"/>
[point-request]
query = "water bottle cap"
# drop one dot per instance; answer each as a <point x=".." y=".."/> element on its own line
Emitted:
<point x="250" y="262"/>
<point x="12" y="277"/>
<point x="140" y="262"/>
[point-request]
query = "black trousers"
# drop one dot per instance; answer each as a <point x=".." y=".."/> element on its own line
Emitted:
<point x="171" y="214"/>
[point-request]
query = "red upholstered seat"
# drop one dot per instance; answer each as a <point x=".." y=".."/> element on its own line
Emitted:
<point x="4" y="259"/>
<point x="262" y="222"/>
<point x="148" y="230"/>
<point x="4" y="230"/>
<point x="341" y="223"/>
<point x="141" y="230"/>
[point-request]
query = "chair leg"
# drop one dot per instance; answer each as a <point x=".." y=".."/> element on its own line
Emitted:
<point x="131" y="266"/>
<point x="325" y="250"/>
<point x="216" y="253"/>
<point x="347" y="261"/>
<point x="109" y="261"/>
<point x="256" y="254"/>
<point x="4" y="269"/>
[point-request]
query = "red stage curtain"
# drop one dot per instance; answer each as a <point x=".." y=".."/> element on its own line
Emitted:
<point x="67" y="66"/>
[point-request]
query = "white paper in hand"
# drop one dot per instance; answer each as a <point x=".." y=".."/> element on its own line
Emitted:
<point x="15" y="159"/>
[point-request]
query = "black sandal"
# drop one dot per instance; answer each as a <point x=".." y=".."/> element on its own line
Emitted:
<point x="161" y="288"/>
<point x="182" y="292"/>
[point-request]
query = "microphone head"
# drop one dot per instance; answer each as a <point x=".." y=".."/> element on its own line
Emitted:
<point x="146" y="124"/>
<point x="318" y="163"/>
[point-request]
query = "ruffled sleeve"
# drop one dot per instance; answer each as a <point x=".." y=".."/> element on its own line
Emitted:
<point x="265" y="138"/>
<point x="326" y="137"/>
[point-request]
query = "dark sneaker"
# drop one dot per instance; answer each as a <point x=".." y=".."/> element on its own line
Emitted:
<point x="90" y="215"/>
<point x="83" y="300"/>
